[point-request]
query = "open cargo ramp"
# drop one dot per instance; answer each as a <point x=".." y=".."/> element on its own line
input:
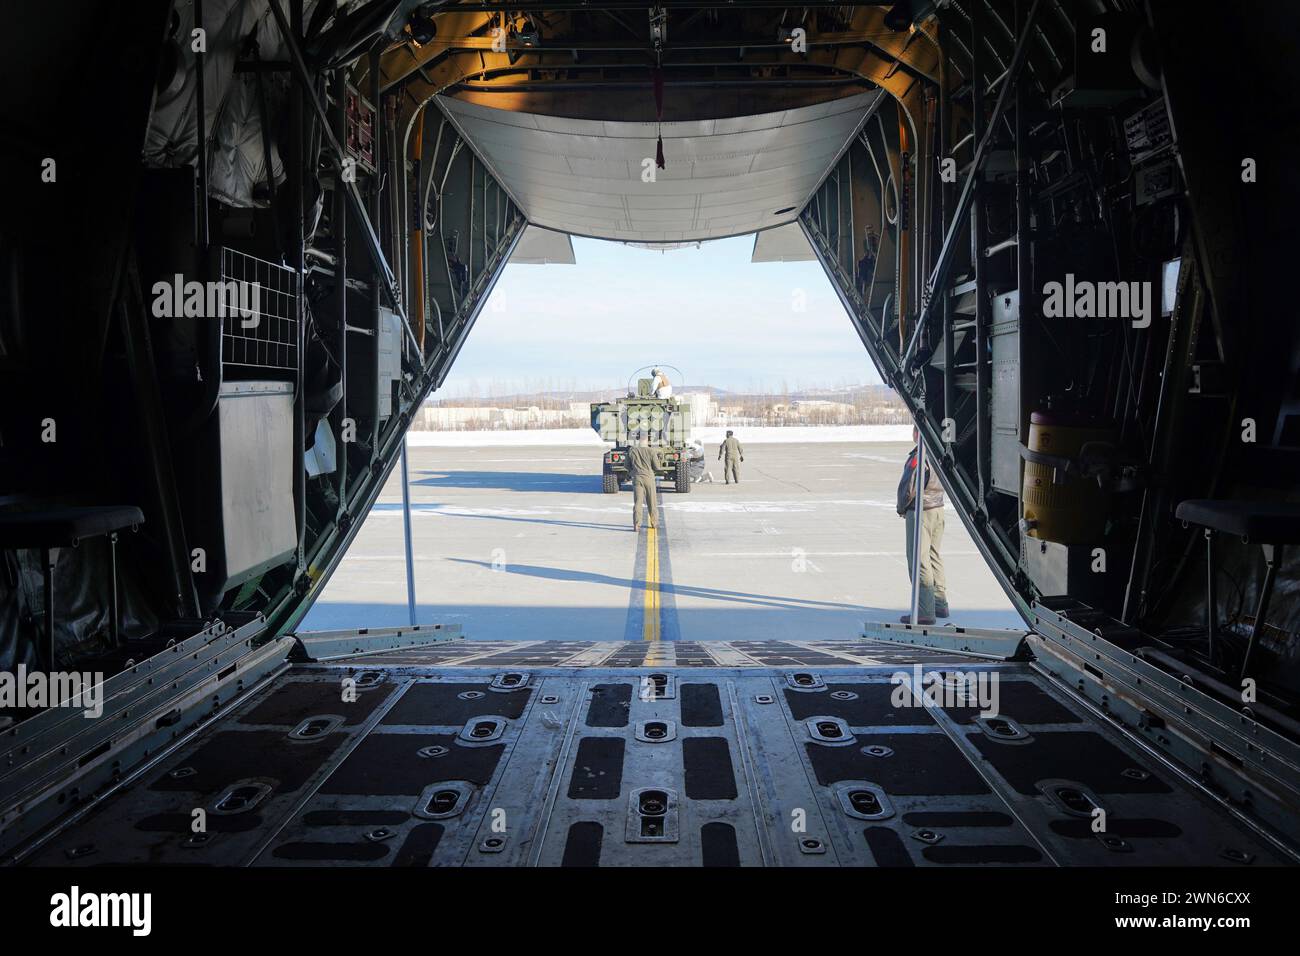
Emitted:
<point x="729" y="753"/>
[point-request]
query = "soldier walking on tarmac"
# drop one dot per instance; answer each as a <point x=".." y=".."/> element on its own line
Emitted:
<point x="735" y="455"/>
<point x="641" y="464"/>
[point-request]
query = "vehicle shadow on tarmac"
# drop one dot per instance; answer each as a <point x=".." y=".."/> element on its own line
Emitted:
<point x="621" y="527"/>
<point x="511" y="480"/>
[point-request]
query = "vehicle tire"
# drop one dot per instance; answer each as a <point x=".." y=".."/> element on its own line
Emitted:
<point x="611" y="483"/>
<point x="683" y="478"/>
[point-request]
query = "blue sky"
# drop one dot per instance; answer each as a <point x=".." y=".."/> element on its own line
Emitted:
<point x="721" y="319"/>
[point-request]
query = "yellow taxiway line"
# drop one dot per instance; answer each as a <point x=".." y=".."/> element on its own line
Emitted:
<point x="650" y="618"/>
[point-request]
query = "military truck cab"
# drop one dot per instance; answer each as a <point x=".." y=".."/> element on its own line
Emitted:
<point x="664" y="422"/>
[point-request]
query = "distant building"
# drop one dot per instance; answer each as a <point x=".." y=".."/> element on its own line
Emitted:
<point x="704" y="410"/>
<point x="478" y="418"/>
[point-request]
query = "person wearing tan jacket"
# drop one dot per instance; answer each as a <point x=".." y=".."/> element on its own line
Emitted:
<point x="933" y="601"/>
<point x="659" y="385"/>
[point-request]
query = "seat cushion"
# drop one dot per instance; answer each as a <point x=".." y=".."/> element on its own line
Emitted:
<point x="62" y="527"/>
<point x="1267" y="522"/>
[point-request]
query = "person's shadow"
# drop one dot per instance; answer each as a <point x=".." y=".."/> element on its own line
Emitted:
<point x="668" y="587"/>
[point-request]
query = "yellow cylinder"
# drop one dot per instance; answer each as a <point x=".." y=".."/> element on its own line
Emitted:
<point x="1073" y="510"/>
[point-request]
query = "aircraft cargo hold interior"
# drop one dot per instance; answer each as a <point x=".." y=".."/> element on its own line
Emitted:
<point x="244" y="241"/>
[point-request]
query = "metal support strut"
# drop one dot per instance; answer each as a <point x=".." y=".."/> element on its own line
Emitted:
<point x="939" y="278"/>
<point x="1272" y="558"/>
<point x="383" y="272"/>
<point x="918" y="505"/>
<point x="406" y="529"/>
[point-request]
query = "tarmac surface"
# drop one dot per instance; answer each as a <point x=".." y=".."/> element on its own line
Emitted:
<point x="519" y="543"/>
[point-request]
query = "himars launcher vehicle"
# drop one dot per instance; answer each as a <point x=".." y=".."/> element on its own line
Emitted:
<point x="664" y="422"/>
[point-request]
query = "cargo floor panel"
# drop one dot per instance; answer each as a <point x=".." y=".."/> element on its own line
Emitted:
<point x="789" y="755"/>
<point x="220" y="796"/>
<point x="845" y="653"/>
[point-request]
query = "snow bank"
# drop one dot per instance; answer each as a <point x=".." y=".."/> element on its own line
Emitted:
<point x="711" y="435"/>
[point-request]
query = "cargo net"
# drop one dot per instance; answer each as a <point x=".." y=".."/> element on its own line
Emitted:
<point x="259" y="327"/>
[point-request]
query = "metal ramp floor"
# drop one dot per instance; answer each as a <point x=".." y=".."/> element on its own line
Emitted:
<point x="718" y="754"/>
